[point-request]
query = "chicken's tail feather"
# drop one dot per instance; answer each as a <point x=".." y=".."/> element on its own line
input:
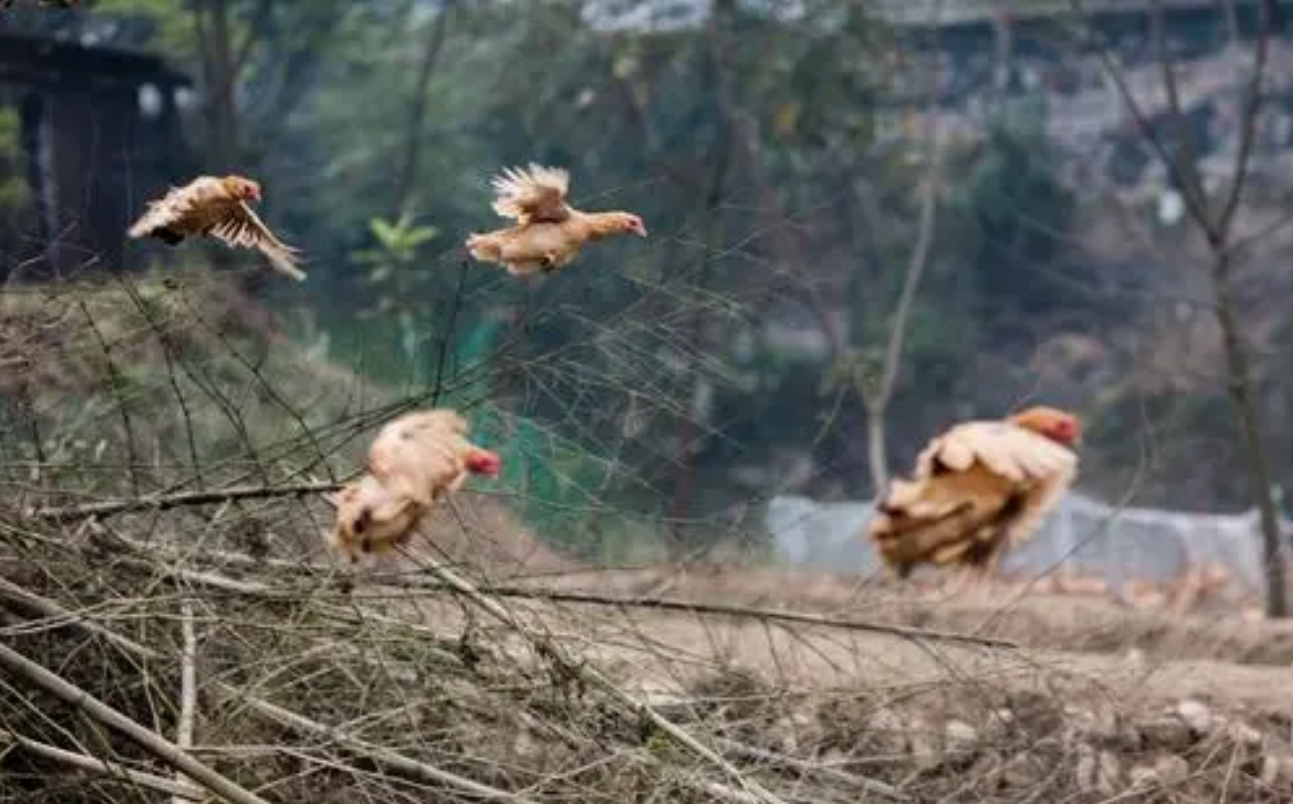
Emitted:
<point x="483" y="247"/>
<point x="168" y="236"/>
<point x="164" y="233"/>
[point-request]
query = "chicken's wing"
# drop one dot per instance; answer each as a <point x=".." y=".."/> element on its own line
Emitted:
<point x="184" y="211"/>
<point x="371" y="518"/>
<point x="242" y="227"/>
<point x="977" y="489"/>
<point x="534" y="195"/>
<point x="216" y="207"/>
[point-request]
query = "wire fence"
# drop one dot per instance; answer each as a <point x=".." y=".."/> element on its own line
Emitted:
<point x="1082" y="534"/>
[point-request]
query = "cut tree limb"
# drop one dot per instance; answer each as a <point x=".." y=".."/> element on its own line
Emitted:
<point x="37" y="675"/>
<point x="544" y="645"/>
<point x="279" y="591"/>
<point x="162" y="502"/>
<point x="188" y="687"/>
<point x="88" y="764"/>
<point x="149" y="554"/>
<point x="392" y="761"/>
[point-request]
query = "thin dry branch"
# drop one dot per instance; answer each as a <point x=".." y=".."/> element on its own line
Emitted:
<point x="37" y="675"/>
<point x="746" y="612"/>
<point x="1248" y="120"/>
<point x="1112" y="70"/>
<point x="188" y="685"/>
<point x="390" y="760"/>
<point x="81" y="762"/>
<point x="879" y="788"/>
<point x="256" y="588"/>
<point x="594" y="677"/>
<point x="1189" y="158"/>
<point x="27" y="600"/>
<point x="183" y="499"/>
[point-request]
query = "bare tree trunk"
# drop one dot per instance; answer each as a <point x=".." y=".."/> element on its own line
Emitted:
<point x="1218" y="229"/>
<point x="876" y="400"/>
<point x="1241" y="393"/>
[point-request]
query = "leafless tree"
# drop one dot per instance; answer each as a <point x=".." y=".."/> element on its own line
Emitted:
<point x="1213" y="215"/>
<point x="877" y="394"/>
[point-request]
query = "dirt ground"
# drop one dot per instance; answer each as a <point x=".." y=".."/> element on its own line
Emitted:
<point x="1065" y="641"/>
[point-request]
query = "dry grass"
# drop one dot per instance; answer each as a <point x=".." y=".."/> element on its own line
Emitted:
<point x="317" y="684"/>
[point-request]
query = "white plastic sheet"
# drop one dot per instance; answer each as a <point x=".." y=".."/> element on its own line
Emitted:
<point x="1083" y="535"/>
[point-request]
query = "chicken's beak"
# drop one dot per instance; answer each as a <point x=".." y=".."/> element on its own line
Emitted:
<point x="641" y="230"/>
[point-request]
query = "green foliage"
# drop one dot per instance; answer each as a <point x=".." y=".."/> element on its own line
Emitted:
<point x="15" y="198"/>
<point x="392" y="263"/>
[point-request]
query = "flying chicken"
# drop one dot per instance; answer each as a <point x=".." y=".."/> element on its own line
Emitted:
<point x="549" y="233"/>
<point x="977" y="489"/>
<point x="414" y="460"/>
<point x="216" y="207"/>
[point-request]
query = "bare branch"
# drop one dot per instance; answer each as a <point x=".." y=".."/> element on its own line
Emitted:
<point x="877" y="400"/>
<point x="391" y="760"/>
<point x="166" y="565"/>
<point x="188" y="685"/>
<point x="1248" y="120"/>
<point x="748" y="612"/>
<point x="1188" y="163"/>
<point x="1190" y="185"/>
<point x="35" y="674"/>
<point x="163" y="502"/>
<point x="180" y="791"/>
<point x="396" y="762"/>
<point x="546" y="647"/>
<point x="879" y="788"/>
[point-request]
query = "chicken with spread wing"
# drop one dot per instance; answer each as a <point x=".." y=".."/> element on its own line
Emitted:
<point x="979" y="488"/>
<point x="549" y="232"/>
<point x="216" y="207"/>
<point x="414" y="460"/>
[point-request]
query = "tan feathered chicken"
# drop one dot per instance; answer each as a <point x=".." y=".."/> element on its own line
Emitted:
<point x="216" y="207"/>
<point x="414" y="460"/>
<point x="549" y="233"/>
<point x="979" y="488"/>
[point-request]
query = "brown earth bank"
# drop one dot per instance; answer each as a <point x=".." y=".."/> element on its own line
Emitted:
<point x="942" y="721"/>
<point x="815" y="712"/>
<point x="1038" y="616"/>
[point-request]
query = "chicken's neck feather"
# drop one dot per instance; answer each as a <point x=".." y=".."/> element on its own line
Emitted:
<point x="602" y="224"/>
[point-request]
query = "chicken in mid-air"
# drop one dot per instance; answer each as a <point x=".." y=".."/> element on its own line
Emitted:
<point x="216" y="207"/>
<point x="549" y="233"/>
<point x="415" y="459"/>
<point x="979" y="488"/>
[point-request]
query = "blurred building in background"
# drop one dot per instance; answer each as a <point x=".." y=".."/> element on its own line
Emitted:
<point x="82" y="125"/>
